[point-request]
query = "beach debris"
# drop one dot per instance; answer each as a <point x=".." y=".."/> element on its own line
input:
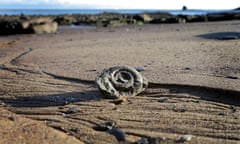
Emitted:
<point x="184" y="138"/>
<point x="120" y="81"/>
<point x="118" y="133"/>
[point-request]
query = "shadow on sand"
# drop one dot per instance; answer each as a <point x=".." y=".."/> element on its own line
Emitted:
<point x="221" y="35"/>
<point x="52" y="100"/>
<point x="230" y="97"/>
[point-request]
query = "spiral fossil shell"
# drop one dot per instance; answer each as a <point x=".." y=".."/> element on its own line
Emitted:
<point x="120" y="81"/>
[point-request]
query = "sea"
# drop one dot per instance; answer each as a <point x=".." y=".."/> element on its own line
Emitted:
<point x="99" y="11"/>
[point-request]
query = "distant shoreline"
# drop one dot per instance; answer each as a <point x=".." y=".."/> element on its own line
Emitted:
<point x="23" y="21"/>
<point x="46" y="12"/>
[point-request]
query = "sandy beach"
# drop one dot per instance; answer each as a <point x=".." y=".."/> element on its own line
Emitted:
<point x="48" y="93"/>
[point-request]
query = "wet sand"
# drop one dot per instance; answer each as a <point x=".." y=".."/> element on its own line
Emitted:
<point x="48" y="81"/>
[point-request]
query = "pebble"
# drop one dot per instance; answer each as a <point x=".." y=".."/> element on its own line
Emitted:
<point x="105" y="126"/>
<point x="119" y="101"/>
<point x="163" y="99"/>
<point x="11" y="118"/>
<point x="157" y="140"/>
<point x="139" y="69"/>
<point x="180" y="110"/>
<point x="187" y="68"/>
<point x="72" y="110"/>
<point x="184" y="138"/>
<point x="118" y="133"/>
<point x="144" y="140"/>
<point x="221" y="113"/>
<point x="234" y="109"/>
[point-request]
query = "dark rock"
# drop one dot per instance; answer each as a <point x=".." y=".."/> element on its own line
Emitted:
<point x="115" y="23"/>
<point x="196" y="18"/>
<point x="220" y="16"/>
<point x="184" y="138"/>
<point x="72" y="110"/>
<point x="180" y="110"/>
<point x="121" y="81"/>
<point x="65" y="20"/>
<point x="142" y="141"/>
<point x="158" y="18"/>
<point x="105" y="126"/>
<point x="221" y="114"/>
<point x="140" y="69"/>
<point x="146" y="18"/>
<point x="8" y="27"/>
<point x="234" y="109"/>
<point x="118" y="101"/>
<point x="157" y="140"/>
<point x="24" y="26"/>
<point x="118" y="133"/>
<point x="187" y="68"/>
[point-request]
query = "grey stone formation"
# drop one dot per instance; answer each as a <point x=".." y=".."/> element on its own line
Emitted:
<point x="121" y="81"/>
<point x="40" y="25"/>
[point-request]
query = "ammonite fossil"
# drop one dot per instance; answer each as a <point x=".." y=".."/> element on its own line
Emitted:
<point x="120" y="81"/>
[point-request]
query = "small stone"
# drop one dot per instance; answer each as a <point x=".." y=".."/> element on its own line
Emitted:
<point x="163" y="99"/>
<point x="221" y="113"/>
<point x="143" y="140"/>
<point x="119" y="101"/>
<point x="156" y="140"/>
<point x="105" y="126"/>
<point x="187" y="68"/>
<point x="118" y="133"/>
<point x="140" y="69"/>
<point x="72" y="110"/>
<point x="91" y="70"/>
<point x="184" y="138"/>
<point x="11" y="118"/>
<point x="180" y="110"/>
<point x="234" y="109"/>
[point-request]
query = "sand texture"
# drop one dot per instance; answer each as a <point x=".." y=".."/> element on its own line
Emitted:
<point x="48" y="93"/>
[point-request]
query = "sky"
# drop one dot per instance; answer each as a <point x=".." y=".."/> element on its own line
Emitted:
<point x="120" y="4"/>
